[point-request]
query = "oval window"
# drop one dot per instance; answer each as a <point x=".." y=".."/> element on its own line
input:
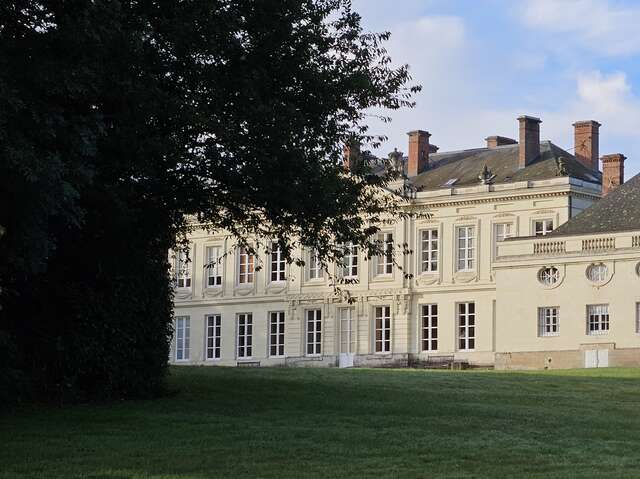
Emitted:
<point x="549" y="275"/>
<point x="597" y="273"/>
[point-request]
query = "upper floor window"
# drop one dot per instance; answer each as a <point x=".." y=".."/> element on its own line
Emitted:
<point x="182" y="270"/>
<point x="542" y="227"/>
<point x="245" y="266"/>
<point x="502" y="231"/>
<point x="315" y="266"/>
<point x="382" y="329"/>
<point x="278" y="263"/>
<point x="350" y="261"/>
<point x="466" y="247"/>
<point x="597" y="273"/>
<point x="430" y="246"/>
<point x="548" y="321"/>
<point x="213" y="267"/>
<point x="549" y="275"/>
<point x="597" y="319"/>
<point x="385" y="260"/>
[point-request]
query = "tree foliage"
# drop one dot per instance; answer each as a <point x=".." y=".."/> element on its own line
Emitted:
<point x="122" y="121"/>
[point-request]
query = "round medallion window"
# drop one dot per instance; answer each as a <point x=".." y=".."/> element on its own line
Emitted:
<point x="549" y="275"/>
<point x="597" y="273"/>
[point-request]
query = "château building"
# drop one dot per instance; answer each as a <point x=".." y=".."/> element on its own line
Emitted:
<point x="520" y="265"/>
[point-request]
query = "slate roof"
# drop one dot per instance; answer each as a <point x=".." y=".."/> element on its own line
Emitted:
<point x="618" y="211"/>
<point x="466" y="166"/>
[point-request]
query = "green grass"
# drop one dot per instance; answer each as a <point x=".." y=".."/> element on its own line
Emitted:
<point x="281" y="423"/>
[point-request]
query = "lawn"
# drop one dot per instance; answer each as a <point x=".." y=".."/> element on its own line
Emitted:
<point x="296" y="423"/>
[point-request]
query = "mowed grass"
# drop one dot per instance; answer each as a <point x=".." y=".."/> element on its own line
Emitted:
<point x="298" y="423"/>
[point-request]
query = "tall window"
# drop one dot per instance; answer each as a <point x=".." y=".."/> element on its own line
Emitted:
<point x="350" y="261"/>
<point x="347" y="333"/>
<point x="276" y="334"/>
<point x="245" y="335"/>
<point x="214" y="325"/>
<point x="213" y="270"/>
<point x="182" y="270"/>
<point x="501" y="232"/>
<point x="542" y="227"/>
<point x="429" y="243"/>
<point x="466" y="326"/>
<point x="430" y="327"/>
<point x="315" y="266"/>
<point x="385" y="260"/>
<point x="466" y="248"/>
<point x="278" y="263"/>
<point x="548" y="321"/>
<point x="245" y="266"/>
<point x="597" y="319"/>
<point x="314" y="332"/>
<point x="182" y="338"/>
<point x="382" y="329"/>
<point x="638" y="318"/>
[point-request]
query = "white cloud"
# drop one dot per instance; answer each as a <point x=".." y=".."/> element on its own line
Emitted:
<point x="598" y="25"/>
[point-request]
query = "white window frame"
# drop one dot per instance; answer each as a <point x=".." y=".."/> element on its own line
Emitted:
<point x="213" y="337"/>
<point x="276" y="334"/>
<point x="549" y="275"/>
<point x="597" y="272"/>
<point x="183" y="338"/>
<point x="598" y="319"/>
<point x="548" y="321"/>
<point x="382" y="329"/>
<point x="499" y="236"/>
<point x="429" y="327"/>
<point x="347" y="331"/>
<point x="349" y="266"/>
<point x="465" y="248"/>
<point x="247" y="260"/>
<point x="277" y="264"/>
<point x="244" y="336"/>
<point x="384" y="262"/>
<point x="182" y="268"/>
<point x="429" y="255"/>
<point x="213" y="270"/>
<point x="546" y="226"/>
<point x="466" y="326"/>
<point x="315" y="267"/>
<point x="313" y="332"/>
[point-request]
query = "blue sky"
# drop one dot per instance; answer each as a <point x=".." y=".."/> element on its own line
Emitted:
<point x="484" y="63"/>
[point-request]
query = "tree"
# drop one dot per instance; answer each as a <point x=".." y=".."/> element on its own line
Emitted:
<point x="122" y="120"/>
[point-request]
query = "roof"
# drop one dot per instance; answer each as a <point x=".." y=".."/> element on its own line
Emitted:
<point x="618" y="211"/>
<point x="466" y="166"/>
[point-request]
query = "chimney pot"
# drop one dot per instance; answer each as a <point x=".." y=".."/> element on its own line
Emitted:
<point x="612" y="172"/>
<point x="586" y="143"/>
<point x="418" y="152"/>
<point x="529" y="139"/>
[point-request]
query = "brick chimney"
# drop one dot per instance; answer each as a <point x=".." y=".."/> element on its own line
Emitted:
<point x="350" y="154"/>
<point x="586" y="142"/>
<point x="612" y="172"/>
<point x="529" y="140"/>
<point x="496" y="141"/>
<point x="418" y="152"/>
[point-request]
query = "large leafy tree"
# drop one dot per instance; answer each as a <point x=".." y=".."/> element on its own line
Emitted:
<point x="121" y="121"/>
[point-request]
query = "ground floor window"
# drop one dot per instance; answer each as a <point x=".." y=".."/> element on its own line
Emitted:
<point x="182" y="338"/>
<point x="637" y="317"/>
<point x="466" y="326"/>
<point x="429" y="327"/>
<point x="548" y="321"/>
<point x="347" y="333"/>
<point x="597" y="319"/>
<point x="245" y="335"/>
<point x="276" y="334"/>
<point x="214" y="325"/>
<point x="314" y="332"/>
<point x="382" y="329"/>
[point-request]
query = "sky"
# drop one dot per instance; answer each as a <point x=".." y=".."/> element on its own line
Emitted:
<point x="483" y="63"/>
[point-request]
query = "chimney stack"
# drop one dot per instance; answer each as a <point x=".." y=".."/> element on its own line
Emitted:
<point x="586" y="142"/>
<point x="418" y="152"/>
<point x="496" y="141"/>
<point x="529" y="140"/>
<point x="351" y="154"/>
<point x="612" y="172"/>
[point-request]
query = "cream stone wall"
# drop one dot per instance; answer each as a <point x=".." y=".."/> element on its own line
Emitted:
<point x="482" y="207"/>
